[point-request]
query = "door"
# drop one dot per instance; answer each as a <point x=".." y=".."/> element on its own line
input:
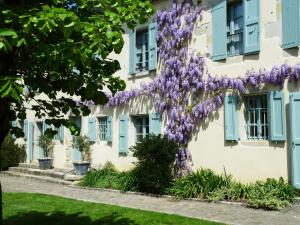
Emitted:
<point x="76" y="155"/>
<point x="39" y="133"/>
<point x="295" y="138"/>
<point x="30" y="141"/>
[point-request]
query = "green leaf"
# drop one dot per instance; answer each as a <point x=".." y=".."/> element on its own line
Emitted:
<point x="21" y="42"/>
<point x="4" y="87"/>
<point x="70" y="24"/>
<point x="16" y="96"/>
<point x="8" y="32"/>
<point x="7" y="91"/>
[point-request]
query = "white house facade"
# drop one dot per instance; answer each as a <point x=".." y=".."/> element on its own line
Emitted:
<point x="253" y="136"/>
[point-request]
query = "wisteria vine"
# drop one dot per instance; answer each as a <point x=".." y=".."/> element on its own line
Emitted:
<point x="181" y="84"/>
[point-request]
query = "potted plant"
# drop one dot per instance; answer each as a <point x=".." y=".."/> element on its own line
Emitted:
<point x="82" y="143"/>
<point x="47" y="144"/>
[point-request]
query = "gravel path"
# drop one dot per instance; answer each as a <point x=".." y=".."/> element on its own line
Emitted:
<point x="226" y="213"/>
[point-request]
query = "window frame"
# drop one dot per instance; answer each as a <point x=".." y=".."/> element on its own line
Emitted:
<point x="231" y="34"/>
<point x="144" y="125"/>
<point x="144" y="52"/>
<point x="261" y="127"/>
<point x="102" y="136"/>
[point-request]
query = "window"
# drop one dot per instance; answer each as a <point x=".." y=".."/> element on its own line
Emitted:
<point x="257" y="117"/>
<point x="103" y="128"/>
<point x="235" y="29"/>
<point x="142" y="127"/>
<point x="142" y="49"/>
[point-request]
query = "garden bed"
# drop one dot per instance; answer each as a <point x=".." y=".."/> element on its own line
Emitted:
<point x="202" y="185"/>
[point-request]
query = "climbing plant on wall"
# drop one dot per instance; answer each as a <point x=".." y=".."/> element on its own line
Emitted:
<point x="179" y="90"/>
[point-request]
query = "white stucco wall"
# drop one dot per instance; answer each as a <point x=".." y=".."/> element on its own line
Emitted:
<point x="246" y="160"/>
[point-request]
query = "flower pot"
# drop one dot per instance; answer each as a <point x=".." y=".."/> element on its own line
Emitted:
<point x="81" y="168"/>
<point x="45" y="164"/>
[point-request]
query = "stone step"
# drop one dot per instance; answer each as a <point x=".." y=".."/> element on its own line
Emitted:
<point x="63" y="174"/>
<point x="36" y="166"/>
<point x="41" y="178"/>
<point x="29" y="165"/>
<point x="38" y="172"/>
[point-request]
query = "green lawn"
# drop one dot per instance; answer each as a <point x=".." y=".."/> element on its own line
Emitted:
<point x="37" y="209"/>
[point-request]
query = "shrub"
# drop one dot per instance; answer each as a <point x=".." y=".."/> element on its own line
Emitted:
<point x="109" y="166"/>
<point x="47" y="144"/>
<point x="199" y="184"/>
<point x="82" y="143"/>
<point x="109" y="177"/>
<point x="234" y="191"/>
<point x="155" y="163"/>
<point x="205" y="184"/>
<point x="11" y="154"/>
<point x="271" y="194"/>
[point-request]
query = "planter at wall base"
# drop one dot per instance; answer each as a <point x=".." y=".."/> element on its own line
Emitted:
<point x="81" y="168"/>
<point x="45" y="164"/>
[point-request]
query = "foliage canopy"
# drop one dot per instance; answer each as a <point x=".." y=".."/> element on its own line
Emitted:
<point x="53" y="46"/>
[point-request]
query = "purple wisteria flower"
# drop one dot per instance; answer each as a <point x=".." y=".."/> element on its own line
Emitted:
<point x="178" y="90"/>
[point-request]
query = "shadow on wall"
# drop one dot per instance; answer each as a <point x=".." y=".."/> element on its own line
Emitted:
<point x="60" y="218"/>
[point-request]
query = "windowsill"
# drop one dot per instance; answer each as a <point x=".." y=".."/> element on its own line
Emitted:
<point x="104" y="143"/>
<point x="142" y="74"/>
<point x="255" y="143"/>
<point x="235" y="58"/>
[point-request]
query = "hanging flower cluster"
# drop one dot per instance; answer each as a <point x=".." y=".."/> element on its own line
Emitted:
<point x="181" y="84"/>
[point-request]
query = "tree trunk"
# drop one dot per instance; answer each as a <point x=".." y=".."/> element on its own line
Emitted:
<point x="4" y="119"/>
<point x="1" y="218"/>
<point x="4" y="129"/>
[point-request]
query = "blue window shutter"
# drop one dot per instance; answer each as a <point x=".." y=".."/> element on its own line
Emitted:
<point x="76" y="154"/>
<point x="41" y="152"/>
<point x="251" y="26"/>
<point x="277" y="116"/>
<point x="45" y="126"/>
<point x="92" y="129"/>
<point x="152" y="46"/>
<point x="231" y="118"/>
<point x="14" y="124"/>
<point x="123" y="136"/>
<point x="219" y="31"/>
<point x="25" y="129"/>
<point x="56" y="137"/>
<point x="295" y="138"/>
<point x="154" y="123"/>
<point x="61" y="133"/>
<point x="30" y="141"/>
<point x="132" y="50"/>
<point x="290" y="23"/>
<point x="109" y="129"/>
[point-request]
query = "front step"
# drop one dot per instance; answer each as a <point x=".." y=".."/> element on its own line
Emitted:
<point x="41" y="178"/>
<point x="37" y="172"/>
<point x="29" y="165"/>
<point x="61" y="176"/>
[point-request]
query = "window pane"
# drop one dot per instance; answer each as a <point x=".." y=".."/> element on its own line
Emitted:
<point x="103" y="128"/>
<point x="235" y="24"/>
<point x="142" y="50"/>
<point x="142" y="127"/>
<point x="257" y="117"/>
